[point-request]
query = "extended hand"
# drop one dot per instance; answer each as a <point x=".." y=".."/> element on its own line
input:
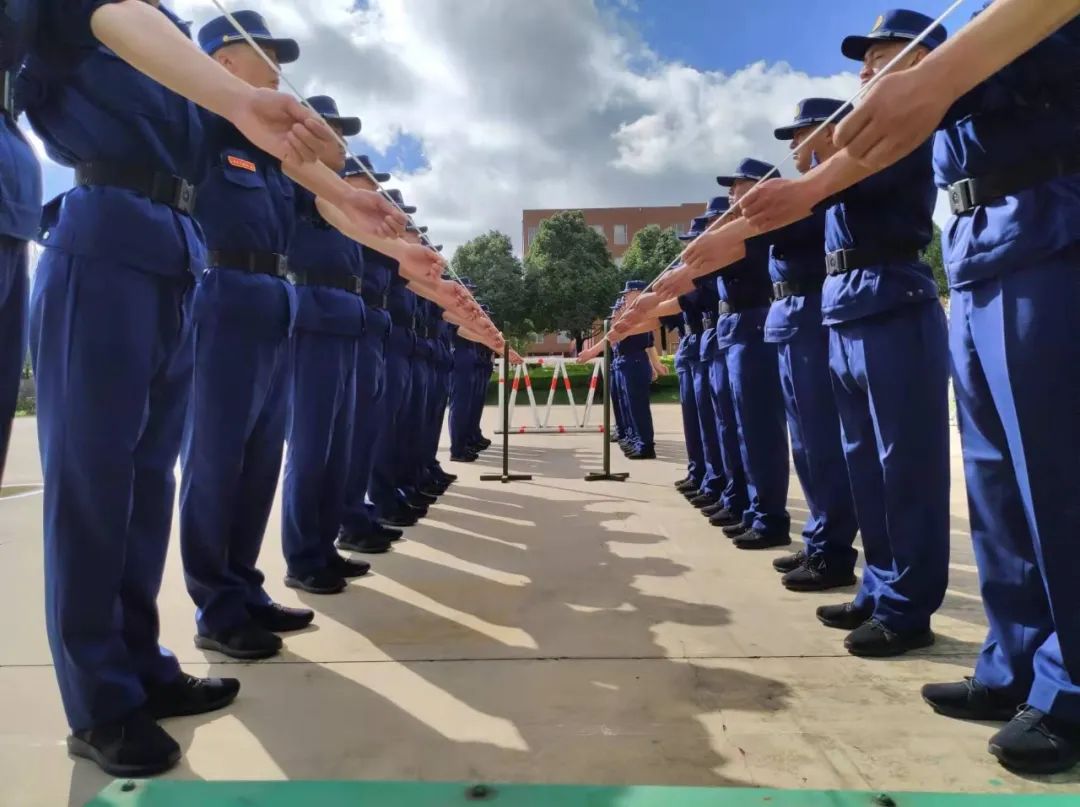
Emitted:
<point x="416" y="262"/>
<point x="668" y="285"/>
<point x="282" y="126"/>
<point x="776" y="203"/>
<point x="898" y="115"/>
<point x="374" y="215"/>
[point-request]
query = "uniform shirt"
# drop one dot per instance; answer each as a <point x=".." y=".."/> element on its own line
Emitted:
<point x="245" y="203"/>
<point x="379" y="272"/>
<point x="797" y="255"/>
<point x="86" y="104"/>
<point x="707" y="299"/>
<point x="745" y="284"/>
<point x="20" y="174"/>
<point x="891" y="210"/>
<point x="464" y="352"/>
<point x="422" y="324"/>
<point x="401" y="302"/>
<point x="634" y="347"/>
<point x="1028" y="111"/>
<point x="317" y="246"/>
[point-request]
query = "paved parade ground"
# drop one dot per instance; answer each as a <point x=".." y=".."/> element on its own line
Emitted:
<point x="554" y="631"/>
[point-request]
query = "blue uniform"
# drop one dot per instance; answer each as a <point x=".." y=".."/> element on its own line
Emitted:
<point x="636" y="379"/>
<point x="389" y="447"/>
<point x="371" y="417"/>
<point x="711" y="481"/>
<point x="462" y="398"/>
<point x="235" y="430"/>
<point x="110" y="341"/>
<point x="415" y="424"/>
<point x="753" y="381"/>
<point x="1015" y="342"/>
<point x="889" y="362"/>
<point x="686" y="356"/>
<point x="735" y="497"/>
<point x="797" y="268"/>
<point x="324" y="347"/>
<point x="485" y="364"/>
<point x="20" y="216"/>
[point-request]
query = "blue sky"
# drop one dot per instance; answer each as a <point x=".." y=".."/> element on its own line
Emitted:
<point x="729" y="34"/>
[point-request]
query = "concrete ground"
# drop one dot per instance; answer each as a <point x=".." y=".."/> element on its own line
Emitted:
<point x="553" y="631"/>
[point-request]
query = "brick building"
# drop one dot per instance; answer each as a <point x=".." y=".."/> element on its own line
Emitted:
<point x="617" y="225"/>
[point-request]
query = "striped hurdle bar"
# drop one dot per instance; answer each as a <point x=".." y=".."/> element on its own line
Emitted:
<point x="541" y="421"/>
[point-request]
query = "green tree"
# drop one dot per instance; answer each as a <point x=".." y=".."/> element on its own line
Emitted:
<point x="650" y="253"/>
<point x="489" y="262"/>
<point x="932" y="256"/>
<point x="569" y="276"/>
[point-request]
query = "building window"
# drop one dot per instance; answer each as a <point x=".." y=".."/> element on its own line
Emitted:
<point x="620" y="235"/>
<point x="532" y="236"/>
<point x="599" y="229"/>
<point x="538" y="338"/>
<point x="563" y="338"/>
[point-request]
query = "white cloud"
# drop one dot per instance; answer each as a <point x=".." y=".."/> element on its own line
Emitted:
<point x="520" y="105"/>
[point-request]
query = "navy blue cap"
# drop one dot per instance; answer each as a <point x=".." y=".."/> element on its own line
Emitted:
<point x="717" y="206"/>
<point x="395" y="195"/>
<point x="437" y="247"/>
<point x="467" y="283"/>
<point x="697" y="227"/>
<point x="485" y="309"/>
<point x="220" y="32"/>
<point x="635" y="285"/>
<point x="748" y="169"/>
<point x="898" y="25"/>
<point x="327" y="107"/>
<point x="354" y="170"/>
<point x="812" y="112"/>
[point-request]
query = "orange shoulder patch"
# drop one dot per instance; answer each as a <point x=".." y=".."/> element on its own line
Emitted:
<point x="237" y="162"/>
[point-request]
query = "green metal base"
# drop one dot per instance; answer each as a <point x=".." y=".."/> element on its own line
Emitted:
<point x="604" y="477"/>
<point x="160" y="793"/>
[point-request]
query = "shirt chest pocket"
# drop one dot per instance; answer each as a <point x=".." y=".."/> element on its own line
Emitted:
<point x="239" y="170"/>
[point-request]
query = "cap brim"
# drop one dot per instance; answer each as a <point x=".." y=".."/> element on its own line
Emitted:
<point x="349" y="126"/>
<point x="855" y="47"/>
<point x="786" y="132"/>
<point x="408" y="210"/>
<point x="726" y="182"/>
<point x="686" y="237"/>
<point x="286" y="50"/>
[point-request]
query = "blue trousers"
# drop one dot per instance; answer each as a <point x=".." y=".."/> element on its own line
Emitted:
<point x="320" y="439"/>
<point x="736" y="498"/>
<point x="13" y="333"/>
<point x="1016" y="352"/>
<point x="462" y="404"/>
<point x="112" y="355"/>
<point x="618" y="402"/>
<point x="695" y="466"/>
<point x="233" y="442"/>
<point x="414" y="426"/>
<point x="637" y="373"/>
<point x="437" y="404"/>
<point x="383" y="489"/>
<point x="890" y="376"/>
<point x="759" y="412"/>
<point x="370" y="420"/>
<point x="481" y="378"/>
<point x="816" y="447"/>
<point x="713" y="480"/>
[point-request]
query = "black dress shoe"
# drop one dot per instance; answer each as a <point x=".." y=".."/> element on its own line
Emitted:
<point x="712" y="509"/>
<point x="970" y="700"/>
<point x="752" y="539"/>
<point x="684" y="481"/>
<point x="704" y="500"/>
<point x="249" y="641"/>
<point x="135" y="747"/>
<point x="485" y="443"/>
<point x="725" y="518"/>
<point x="873" y="640"/>
<point x="643" y="454"/>
<point x="387" y="533"/>
<point x="432" y="492"/>
<point x="790" y="563"/>
<point x="280" y="618"/>
<point x="368" y="544"/>
<point x="1035" y="742"/>
<point x="188" y="695"/>
<point x="448" y="477"/>
<point x="844" y="616"/>
<point x="816" y="575"/>
<point x="324" y="581"/>
<point x="733" y="531"/>
<point x="400" y="518"/>
<point x="420" y="501"/>
<point x="467" y="457"/>
<point x="347" y="568"/>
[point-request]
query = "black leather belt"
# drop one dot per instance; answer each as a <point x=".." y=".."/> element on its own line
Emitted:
<point x="256" y="263"/>
<point x="968" y="194"/>
<point x="376" y="299"/>
<point x="848" y="260"/>
<point x="735" y="308"/>
<point x="708" y="321"/>
<point x="330" y="280"/>
<point x="796" y="288"/>
<point x="166" y="189"/>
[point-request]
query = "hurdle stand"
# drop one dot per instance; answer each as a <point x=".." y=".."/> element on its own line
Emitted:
<point x="504" y="399"/>
<point x="606" y="475"/>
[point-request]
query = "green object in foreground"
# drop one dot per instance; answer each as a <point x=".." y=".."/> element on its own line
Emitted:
<point x="159" y="793"/>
